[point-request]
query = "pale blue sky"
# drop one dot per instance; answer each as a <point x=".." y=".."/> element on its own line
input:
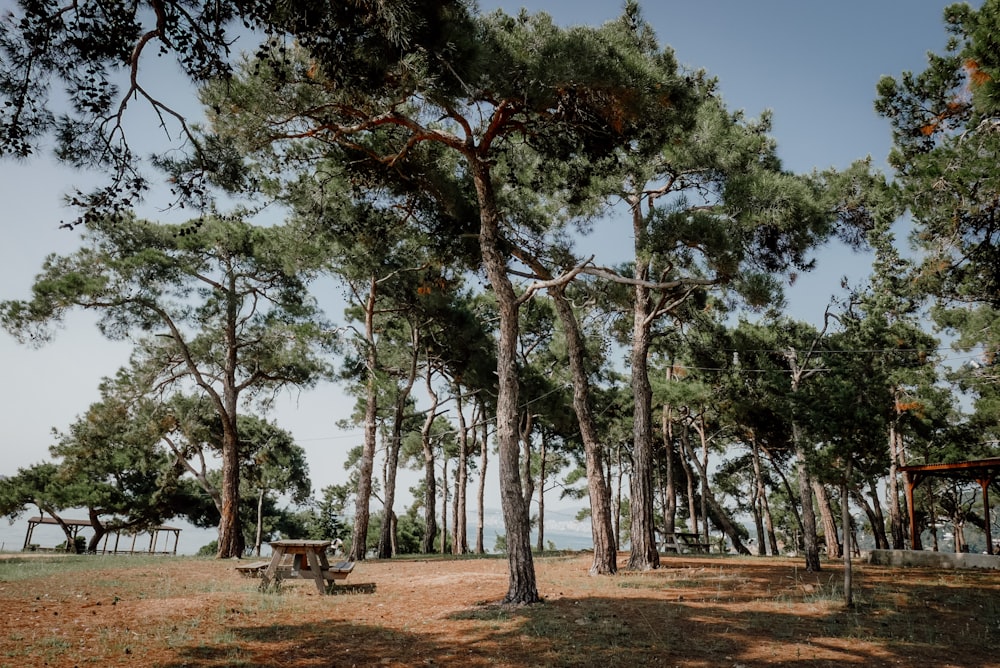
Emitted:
<point x="815" y="64"/>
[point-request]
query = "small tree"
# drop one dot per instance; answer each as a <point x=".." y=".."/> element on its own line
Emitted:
<point x="231" y="299"/>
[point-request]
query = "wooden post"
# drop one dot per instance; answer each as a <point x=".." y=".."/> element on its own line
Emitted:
<point x="912" y="480"/>
<point x="985" y="484"/>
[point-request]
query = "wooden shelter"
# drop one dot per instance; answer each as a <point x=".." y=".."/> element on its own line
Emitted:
<point x="982" y="471"/>
<point x="156" y="535"/>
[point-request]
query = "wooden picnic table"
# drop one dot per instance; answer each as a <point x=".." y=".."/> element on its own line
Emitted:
<point x="309" y="562"/>
<point x="686" y="539"/>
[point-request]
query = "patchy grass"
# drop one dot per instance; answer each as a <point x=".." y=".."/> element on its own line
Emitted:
<point x="695" y="611"/>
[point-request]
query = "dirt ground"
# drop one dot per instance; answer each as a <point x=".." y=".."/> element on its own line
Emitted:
<point x="692" y="612"/>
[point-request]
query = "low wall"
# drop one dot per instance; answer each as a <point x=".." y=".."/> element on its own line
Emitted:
<point x="931" y="559"/>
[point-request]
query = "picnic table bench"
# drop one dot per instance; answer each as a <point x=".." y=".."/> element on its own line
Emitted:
<point x="299" y="559"/>
<point x="686" y="541"/>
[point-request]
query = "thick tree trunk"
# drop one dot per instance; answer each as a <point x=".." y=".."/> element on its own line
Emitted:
<point x="829" y="522"/>
<point x="362" y="500"/>
<point x="643" y="554"/>
<point x="231" y="540"/>
<point x="810" y="542"/>
<point x="522" y="586"/>
<point x="99" y="531"/>
<point x="601" y="530"/>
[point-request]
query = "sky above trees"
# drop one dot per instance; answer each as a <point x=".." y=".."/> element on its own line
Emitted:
<point x="814" y="65"/>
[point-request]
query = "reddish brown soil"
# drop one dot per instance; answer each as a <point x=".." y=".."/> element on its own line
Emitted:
<point x="693" y="612"/>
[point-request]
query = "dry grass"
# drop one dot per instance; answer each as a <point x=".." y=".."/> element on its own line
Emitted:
<point x="694" y="612"/>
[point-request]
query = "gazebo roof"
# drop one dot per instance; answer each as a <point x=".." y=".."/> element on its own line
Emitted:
<point x="973" y="469"/>
<point x="982" y="471"/>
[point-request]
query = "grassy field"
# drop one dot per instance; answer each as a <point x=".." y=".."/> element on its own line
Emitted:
<point x="704" y="611"/>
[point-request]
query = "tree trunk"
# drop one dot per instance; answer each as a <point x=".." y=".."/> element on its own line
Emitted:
<point x="829" y="522"/>
<point x="703" y="474"/>
<point x="362" y="497"/>
<point x="892" y="492"/>
<point x="522" y="586"/>
<point x="259" y="534"/>
<point x="481" y="492"/>
<point x="430" y="484"/>
<point x="99" y="531"/>
<point x="760" y="497"/>
<point x="387" y="537"/>
<point x="796" y="512"/>
<point x="846" y="523"/>
<point x="810" y="542"/>
<point x="643" y="554"/>
<point x="460" y="543"/>
<point x="527" y="479"/>
<point x="713" y="508"/>
<point x="670" y="491"/>
<point x="540" y="544"/>
<point x="444" y="504"/>
<point x="878" y="521"/>
<point x="689" y="477"/>
<point x="618" y="497"/>
<point x="601" y="530"/>
<point x="231" y="540"/>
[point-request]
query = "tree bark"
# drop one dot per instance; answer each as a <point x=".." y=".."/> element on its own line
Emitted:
<point x="643" y="554"/>
<point x="670" y="486"/>
<point x="601" y="530"/>
<point x="892" y="492"/>
<point x="689" y="478"/>
<point x="460" y="543"/>
<point x="760" y="497"/>
<point x="387" y="537"/>
<point x="542" y="453"/>
<point x="846" y="522"/>
<point x="878" y="519"/>
<point x="444" y="504"/>
<point x="481" y="492"/>
<point x="259" y="534"/>
<point x="522" y="587"/>
<point x="430" y="485"/>
<point x="810" y="544"/>
<point x="362" y="497"/>
<point x="99" y="531"/>
<point x="827" y="517"/>
<point x="231" y="540"/>
<point x="713" y="508"/>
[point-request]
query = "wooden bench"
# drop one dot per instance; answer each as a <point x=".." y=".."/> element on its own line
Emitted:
<point x="253" y="569"/>
<point x="338" y="571"/>
<point x="682" y="542"/>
